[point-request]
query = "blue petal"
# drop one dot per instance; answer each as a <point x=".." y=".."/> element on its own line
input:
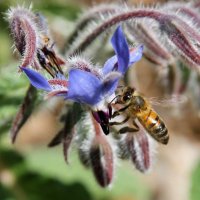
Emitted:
<point x="121" y="49"/>
<point x="110" y="87"/>
<point x="84" y="87"/>
<point x="110" y="83"/>
<point x="36" y="79"/>
<point x="136" y="54"/>
<point x="60" y="76"/>
<point x="109" y="65"/>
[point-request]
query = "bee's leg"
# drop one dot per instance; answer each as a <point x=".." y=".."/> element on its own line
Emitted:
<point x="134" y="123"/>
<point x="128" y="129"/>
<point x="116" y="113"/>
<point x="119" y="123"/>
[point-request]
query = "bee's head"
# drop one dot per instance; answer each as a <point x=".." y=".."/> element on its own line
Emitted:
<point x="127" y="94"/>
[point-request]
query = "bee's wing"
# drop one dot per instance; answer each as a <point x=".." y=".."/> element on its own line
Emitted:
<point x="172" y="100"/>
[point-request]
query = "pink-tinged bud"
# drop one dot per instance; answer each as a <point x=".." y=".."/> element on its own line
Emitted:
<point x="101" y="157"/>
<point x="25" y="33"/>
<point x="187" y="11"/>
<point x="70" y="117"/>
<point x="69" y="130"/>
<point x="24" y="112"/>
<point x="139" y="148"/>
<point x="123" y="152"/>
<point x="156" y="52"/>
<point x="180" y="34"/>
<point x="191" y="13"/>
<point x="67" y="140"/>
<point x="84" y="157"/>
<point x="82" y="64"/>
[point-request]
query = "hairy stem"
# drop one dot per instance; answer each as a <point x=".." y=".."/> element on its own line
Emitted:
<point x="113" y="21"/>
<point x="156" y="51"/>
<point x="86" y="19"/>
<point x="169" y="24"/>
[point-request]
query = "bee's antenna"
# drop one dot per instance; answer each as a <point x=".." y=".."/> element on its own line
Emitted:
<point x="115" y="98"/>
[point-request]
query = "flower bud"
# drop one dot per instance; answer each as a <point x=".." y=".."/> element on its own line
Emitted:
<point x="101" y="158"/>
<point x="25" y="33"/>
<point x="139" y="148"/>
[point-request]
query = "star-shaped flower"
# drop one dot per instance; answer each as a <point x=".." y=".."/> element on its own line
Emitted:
<point x="91" y="86"/>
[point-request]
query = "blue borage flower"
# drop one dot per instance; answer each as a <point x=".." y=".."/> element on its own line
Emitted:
<point x="91" y="86"/>
<point x="94" y="87"/>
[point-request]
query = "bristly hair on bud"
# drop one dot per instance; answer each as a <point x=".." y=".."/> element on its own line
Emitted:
<point x="101" y="157"/>
<point x="155" y="51"/>
<point x="84" y="135"/>
<point x="79" y="62"/>
<point x="95" y="149"/>
<point x="141" y="149"/>
<point x="25" y="33"/>
<point x="25" y="110"/>
<point x="180" y="37"/>
<point x="93" y="14"/>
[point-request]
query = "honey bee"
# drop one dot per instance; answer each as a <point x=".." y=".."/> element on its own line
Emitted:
<point x="135" y="106"/>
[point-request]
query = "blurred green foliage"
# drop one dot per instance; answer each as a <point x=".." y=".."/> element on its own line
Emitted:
<point x="195" y="189"/>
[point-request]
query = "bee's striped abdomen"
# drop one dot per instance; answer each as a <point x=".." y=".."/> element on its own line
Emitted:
<point x="154" y="126"/>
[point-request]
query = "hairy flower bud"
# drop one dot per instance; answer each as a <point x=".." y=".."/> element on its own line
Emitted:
<point x="25" y="110"/>
<point x="95" y="151"/>
<point x="68" y="131"/>
<point x="155" y="52"/>
<point x="140" y="149"/>
<point x="179" y="33"/>
<point x="25" y="33"/>
<point x="73" y="116"/>
<point x="101" y="158"/>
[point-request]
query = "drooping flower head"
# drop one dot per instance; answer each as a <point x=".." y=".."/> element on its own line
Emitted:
<point x="95" y="86"/>
<point x="89" y="85"/>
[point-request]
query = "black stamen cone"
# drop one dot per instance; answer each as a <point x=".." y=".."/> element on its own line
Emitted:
<point x="105" y="128"/>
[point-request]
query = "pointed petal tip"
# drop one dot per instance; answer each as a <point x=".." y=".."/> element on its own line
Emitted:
<point x="140" y="49"/>
<point x="121" y="49"/>
<point x="36" y="79"/>
<point x="136" y="54"/>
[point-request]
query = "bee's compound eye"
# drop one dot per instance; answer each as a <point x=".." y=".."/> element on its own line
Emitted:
<point x="127" y="96"/>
